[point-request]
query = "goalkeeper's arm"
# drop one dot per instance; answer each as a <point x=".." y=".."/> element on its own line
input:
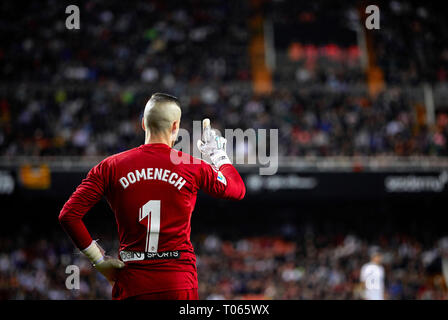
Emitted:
<point x="86" y="195"/>
<point x="225" y="183"/>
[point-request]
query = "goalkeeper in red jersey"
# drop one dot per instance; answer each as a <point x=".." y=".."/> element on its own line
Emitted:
<point x="152" y="198"/>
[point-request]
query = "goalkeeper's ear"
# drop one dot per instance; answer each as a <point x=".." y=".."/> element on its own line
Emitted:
<point x="174" y="131"/>
<point x="175" y="128"/>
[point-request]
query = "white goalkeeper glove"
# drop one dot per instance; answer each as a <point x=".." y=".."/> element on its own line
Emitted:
<point x="213" y="146"/>
<point x="106" y="265"/>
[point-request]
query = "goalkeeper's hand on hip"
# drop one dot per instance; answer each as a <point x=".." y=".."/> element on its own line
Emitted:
<point x="213" y="146"/>
<point x="106" y="265"/>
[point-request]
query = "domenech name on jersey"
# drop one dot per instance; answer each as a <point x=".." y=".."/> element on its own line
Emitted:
<point x="153" y="174"/>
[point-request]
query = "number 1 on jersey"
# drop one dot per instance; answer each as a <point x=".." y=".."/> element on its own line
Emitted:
<point x="151" y="210"/>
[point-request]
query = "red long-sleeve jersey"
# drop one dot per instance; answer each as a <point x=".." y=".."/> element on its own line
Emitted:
<point x="152" y="198"/>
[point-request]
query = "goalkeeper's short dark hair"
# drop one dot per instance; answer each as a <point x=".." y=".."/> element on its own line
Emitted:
<point x="164" y="97"/>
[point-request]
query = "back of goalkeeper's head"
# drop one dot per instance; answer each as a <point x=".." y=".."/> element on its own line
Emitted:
<point x="161" y="117"/>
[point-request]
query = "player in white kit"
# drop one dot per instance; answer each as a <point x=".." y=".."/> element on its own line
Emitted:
<point x="372" y="277"/>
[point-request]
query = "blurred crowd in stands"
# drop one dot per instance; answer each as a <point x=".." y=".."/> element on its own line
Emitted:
<point x="315" y="267"/>
<point x="310" y="123"/>
<point x="151" y="41"/>
<point x="412" y="45"/>
<point x="81" y="92"/>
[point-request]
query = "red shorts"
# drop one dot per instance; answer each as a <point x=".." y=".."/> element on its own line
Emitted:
<point x="189" y="294"/>
<point x="137" y="280"/>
